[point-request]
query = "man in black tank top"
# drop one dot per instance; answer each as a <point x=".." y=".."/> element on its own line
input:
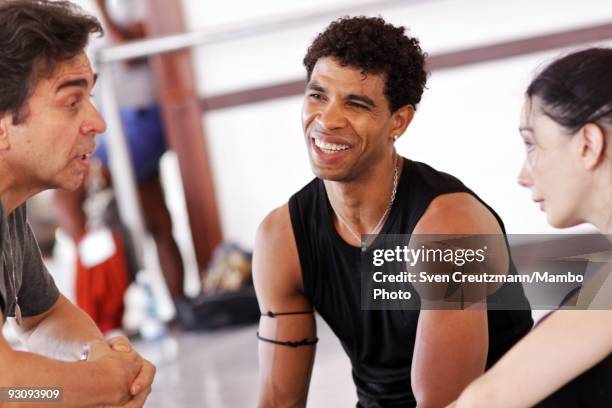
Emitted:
<point x="365" y="79"/>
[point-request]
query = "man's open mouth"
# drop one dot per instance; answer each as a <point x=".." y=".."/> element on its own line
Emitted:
<point x="330" y="148"/>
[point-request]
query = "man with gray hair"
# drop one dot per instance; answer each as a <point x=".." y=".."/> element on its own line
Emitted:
<point x="48" y="126"/>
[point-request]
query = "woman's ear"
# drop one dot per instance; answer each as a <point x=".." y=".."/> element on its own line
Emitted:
<point x="592" y="145"/>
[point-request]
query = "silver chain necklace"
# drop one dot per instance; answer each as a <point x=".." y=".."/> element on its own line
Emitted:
<point x="18" y="316"/>
<point x="379" y="224"/>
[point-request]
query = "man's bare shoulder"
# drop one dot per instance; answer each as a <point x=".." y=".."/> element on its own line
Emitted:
<point x="457" y="213"/>
<point x="276" y="226"/>
<point x="276" y="264"/>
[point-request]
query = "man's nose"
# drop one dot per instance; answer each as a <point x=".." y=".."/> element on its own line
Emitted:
<point x="94" y="122"/>
<point x="331" y="117"/>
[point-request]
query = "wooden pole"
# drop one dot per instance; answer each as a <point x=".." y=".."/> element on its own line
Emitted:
<point x="184" y="130"/>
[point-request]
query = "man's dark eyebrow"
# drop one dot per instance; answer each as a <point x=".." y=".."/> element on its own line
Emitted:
<point x="316" y="87"/>
<point x="362" y="98"/>
<point x="81" y="83"/>
<point x="354" y="97"/>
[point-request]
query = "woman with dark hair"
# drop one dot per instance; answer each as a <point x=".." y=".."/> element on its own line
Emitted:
<point x="566" y="125"/>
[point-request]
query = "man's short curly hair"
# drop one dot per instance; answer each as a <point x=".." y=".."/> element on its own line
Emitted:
<point x="375" y="47"/>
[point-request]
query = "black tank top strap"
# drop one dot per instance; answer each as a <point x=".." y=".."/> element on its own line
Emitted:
<point x="420" y="185"/>
<point x="304" y="213"/>
<point x="423" y="184"/>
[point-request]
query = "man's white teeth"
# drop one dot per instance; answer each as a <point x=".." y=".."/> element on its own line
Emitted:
<point x="330" y="146"/>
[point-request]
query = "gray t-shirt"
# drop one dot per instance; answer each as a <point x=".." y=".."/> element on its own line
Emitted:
<point x="22" y="269"/>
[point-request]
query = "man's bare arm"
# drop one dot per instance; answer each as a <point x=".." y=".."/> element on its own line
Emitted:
<point x="284" y="372"/>
<point x="64" y="330"/>
<point x="451" y="346"/>
<point x="105" y="380"/>
<point x="60" y="333"/>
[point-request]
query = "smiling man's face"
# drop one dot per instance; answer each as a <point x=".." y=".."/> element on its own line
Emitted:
<point x="51" y="146"/>
<point x="346" y="120"/>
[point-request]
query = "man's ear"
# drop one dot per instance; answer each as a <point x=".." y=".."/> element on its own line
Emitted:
<point x="401" y="118"/>
<point x="591" y="145"/>
<point x="5" y="120"/>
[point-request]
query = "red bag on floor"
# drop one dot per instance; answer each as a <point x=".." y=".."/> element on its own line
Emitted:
<point x="101" y="283"/>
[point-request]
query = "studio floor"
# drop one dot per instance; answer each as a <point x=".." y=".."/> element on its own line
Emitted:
<point x="219" y="370"/>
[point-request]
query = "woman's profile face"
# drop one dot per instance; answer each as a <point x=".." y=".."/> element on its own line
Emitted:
<point x="550" y="169"/>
